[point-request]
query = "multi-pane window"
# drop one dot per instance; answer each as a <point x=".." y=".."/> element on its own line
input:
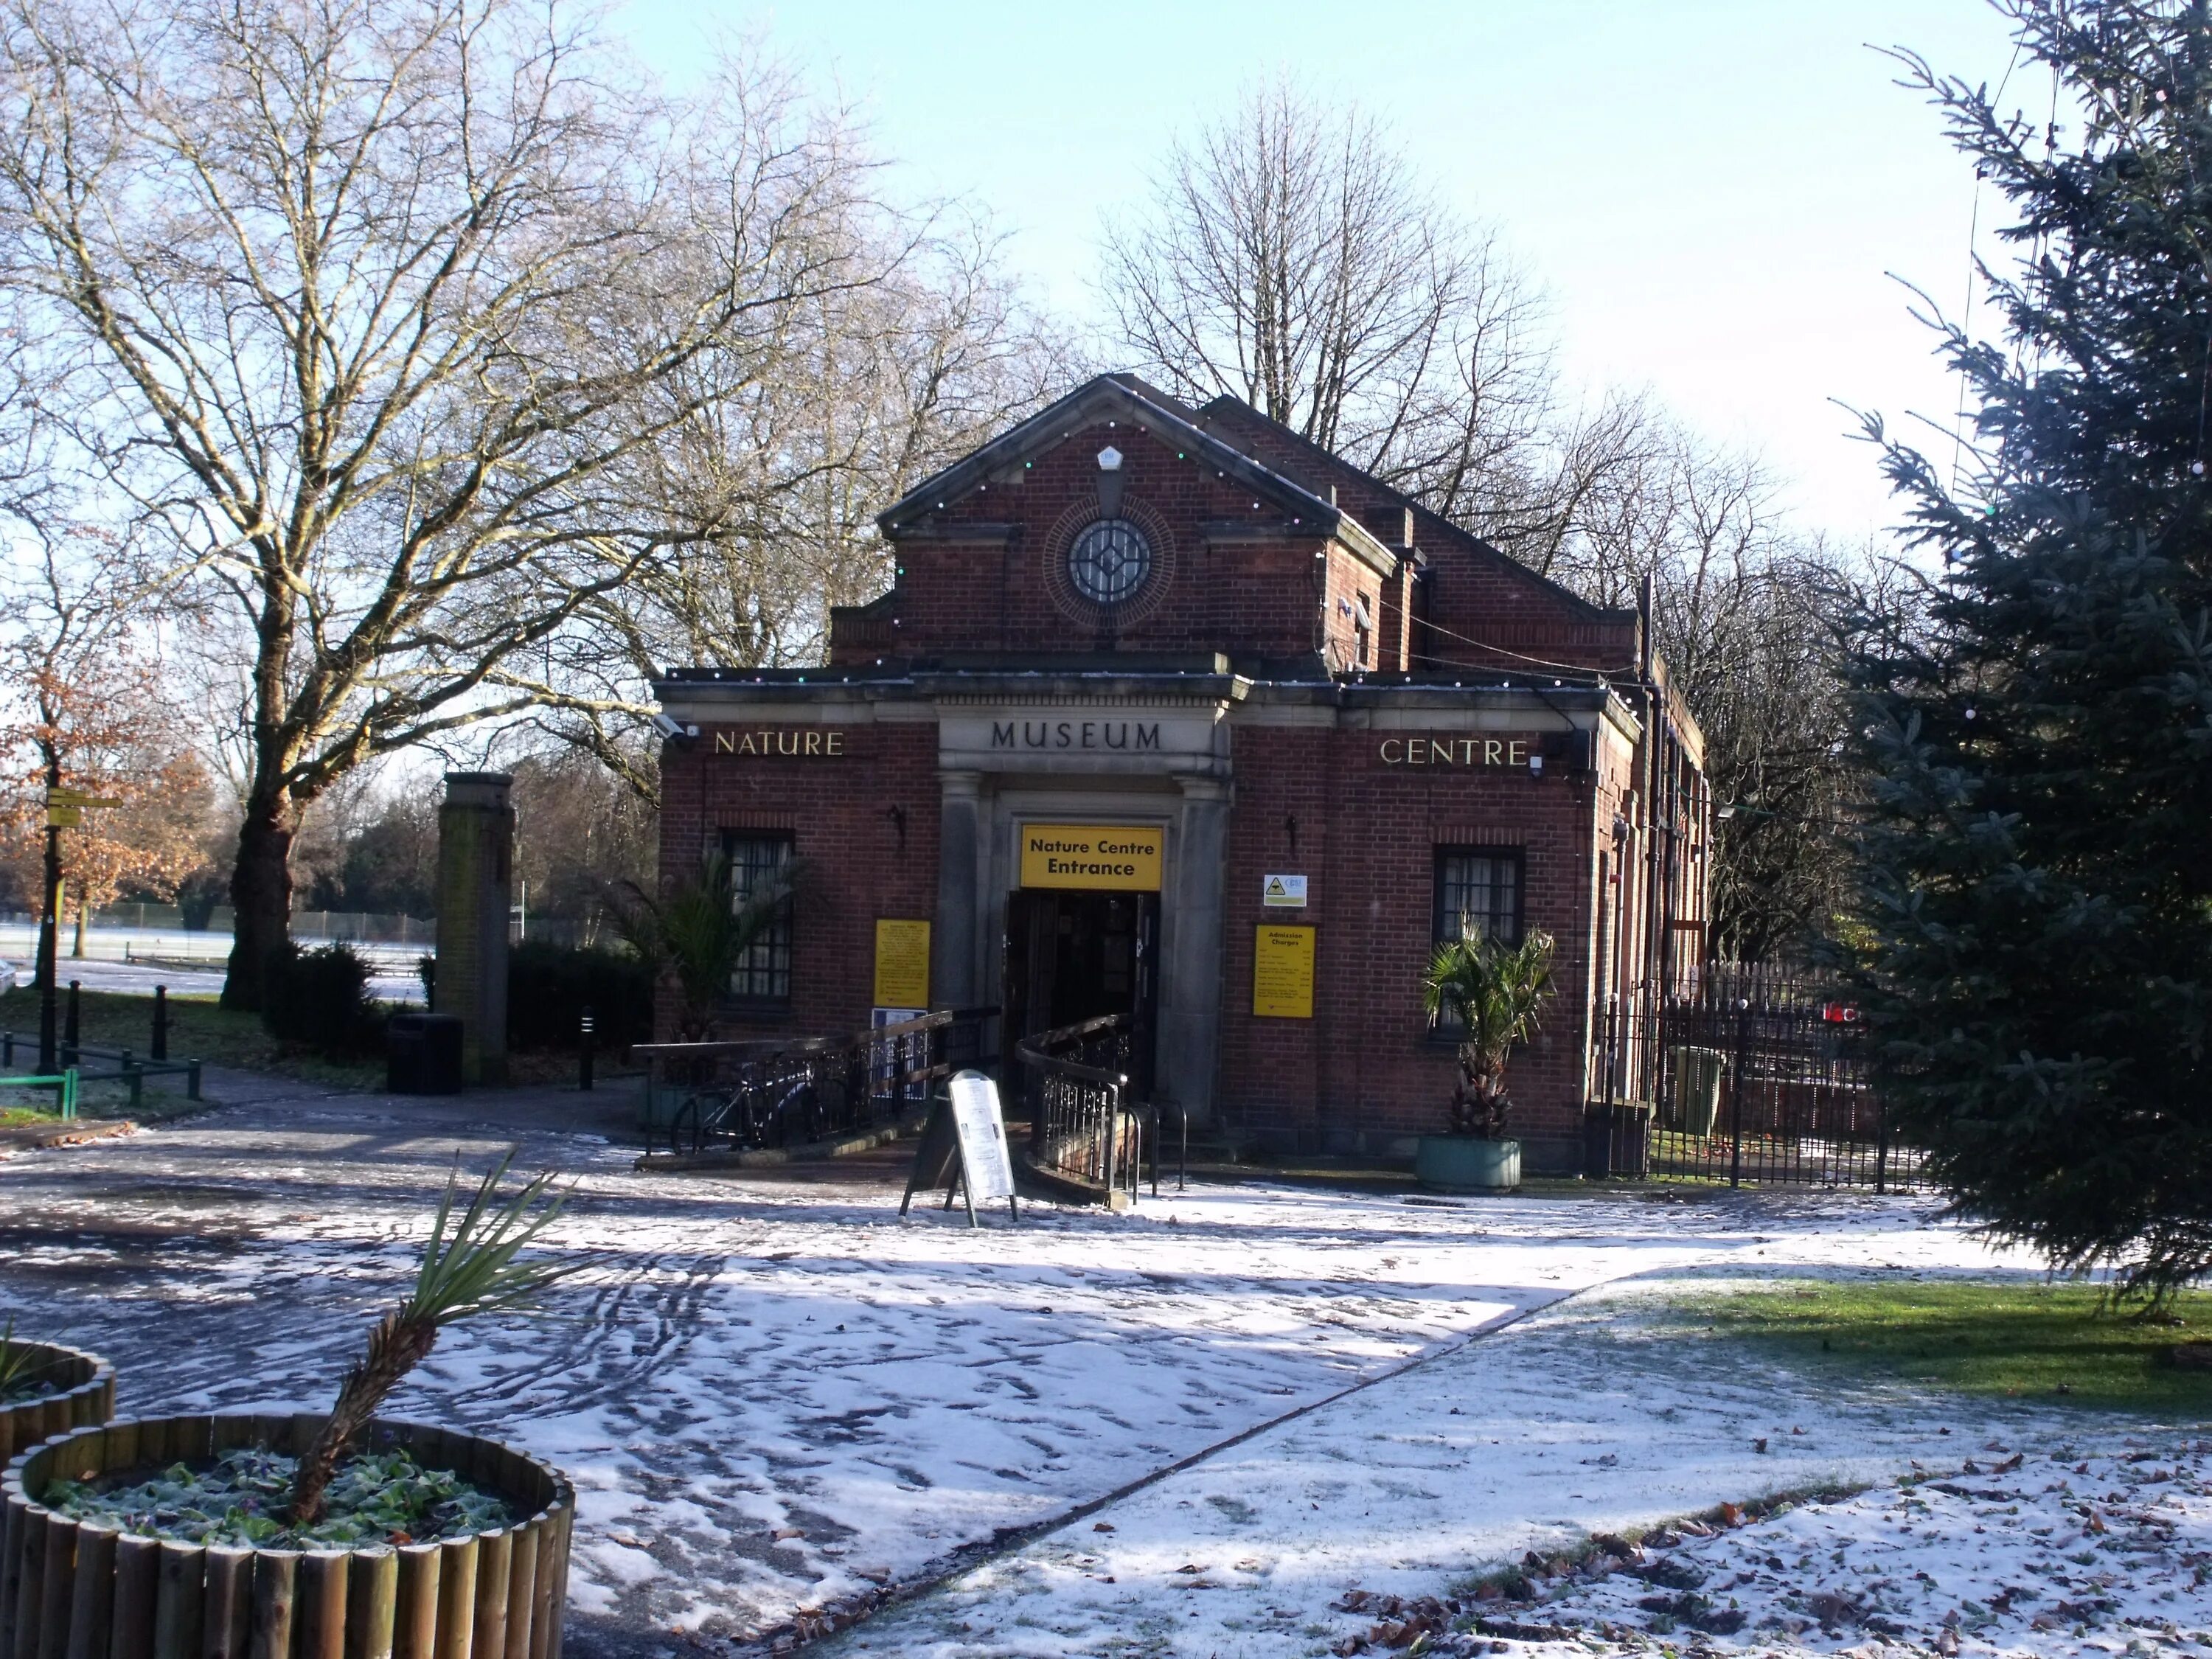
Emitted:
<point x="1477" y="891"/>
<point x="757" y="862"/>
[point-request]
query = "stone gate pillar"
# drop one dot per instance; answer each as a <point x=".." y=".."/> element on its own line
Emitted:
<point x="476" y="879"/>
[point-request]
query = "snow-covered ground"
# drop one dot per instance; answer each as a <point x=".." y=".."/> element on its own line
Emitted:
<point x="779" y="1400"/>
<point x="1365" y="1525"/>
<point x="2087" y="1541"/>
<point x="132" y="962"/>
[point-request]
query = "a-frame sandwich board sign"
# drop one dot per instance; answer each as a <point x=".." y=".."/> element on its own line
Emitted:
<point x="964" y="1148"/>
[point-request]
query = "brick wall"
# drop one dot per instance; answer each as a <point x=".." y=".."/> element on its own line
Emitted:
<point x="1366" y="836"/>
<point x="981" y="574"/>
<point x="838" y="813"/>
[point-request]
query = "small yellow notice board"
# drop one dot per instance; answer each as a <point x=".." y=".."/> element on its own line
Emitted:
<point x="1118" y="857"/>
<point x="902" y="963"/>
<point x="1283" y="972"/>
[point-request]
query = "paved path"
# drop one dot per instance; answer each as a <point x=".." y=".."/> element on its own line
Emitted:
<point x="773" y="1395"/>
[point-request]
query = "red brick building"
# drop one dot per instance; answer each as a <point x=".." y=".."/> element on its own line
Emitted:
<point x="1172" y="713"/>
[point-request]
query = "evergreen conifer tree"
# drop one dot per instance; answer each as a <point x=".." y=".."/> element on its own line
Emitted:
<point x="2037" y="849"/>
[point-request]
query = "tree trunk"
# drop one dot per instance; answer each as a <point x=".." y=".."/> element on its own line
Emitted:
<point x="261" y="897"/>
<point x="77" y="950"/>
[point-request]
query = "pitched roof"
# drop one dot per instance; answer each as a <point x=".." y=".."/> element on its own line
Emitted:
<point x="1123" y="397"/>
<point x="1431" y="526"/>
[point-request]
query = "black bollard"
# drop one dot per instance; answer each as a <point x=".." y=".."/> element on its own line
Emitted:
<point x="70" y="1038"/>
<point x="161" y="1022"/>
<point x="584" y="1054"/>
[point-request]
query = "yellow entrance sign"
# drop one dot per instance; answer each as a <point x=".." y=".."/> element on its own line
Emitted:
<point x="902" y="963"/>
<point x="1114" y="857"/>
<point x="1283" y="972"/>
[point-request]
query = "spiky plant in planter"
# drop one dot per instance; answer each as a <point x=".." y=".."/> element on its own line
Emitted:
<point x="20" y="1367"/>
<point x="1497" y="992"/>
<point x="370" y="1528"/>
<point x="44" y="1389"/>
<point x="471" y="1270"/>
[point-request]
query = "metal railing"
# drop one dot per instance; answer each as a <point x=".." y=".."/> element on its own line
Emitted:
<point x="785" y="1092"/>
<point x="1083" y="1123"/>
<point x="64" y="1084"/>
<point x="1761" y="1076"/>
<point x="131" y="1070"/>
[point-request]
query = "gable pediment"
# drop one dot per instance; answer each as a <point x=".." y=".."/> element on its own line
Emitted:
<point x="1110" y="398"/>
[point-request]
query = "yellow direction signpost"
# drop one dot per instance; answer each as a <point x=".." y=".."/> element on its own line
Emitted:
<point x="66" y="807"/>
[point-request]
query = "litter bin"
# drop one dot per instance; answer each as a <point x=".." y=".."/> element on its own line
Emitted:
<point x="1698" y="1074"/>
<point x="423" y="1055"/>
<point x="1617" y="1140"/>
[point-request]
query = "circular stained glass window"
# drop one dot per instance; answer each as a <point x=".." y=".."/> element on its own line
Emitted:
<point x="1109" y="561"/>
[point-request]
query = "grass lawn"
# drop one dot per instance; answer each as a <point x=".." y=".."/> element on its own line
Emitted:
<point x="2050" y="1343"/>
<point x="198" y="1029"/>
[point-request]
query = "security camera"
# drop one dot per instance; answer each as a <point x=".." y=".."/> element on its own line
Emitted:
<point x="669" y="728"/>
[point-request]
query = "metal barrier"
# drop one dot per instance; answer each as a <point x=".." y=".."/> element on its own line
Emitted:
<point x="64" y="1084"/>
<point x="784" y="1092"/>
<point x="130" y="1070"/>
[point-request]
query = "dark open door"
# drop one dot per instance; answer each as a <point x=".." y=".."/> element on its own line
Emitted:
<point x="1075" y="955"/>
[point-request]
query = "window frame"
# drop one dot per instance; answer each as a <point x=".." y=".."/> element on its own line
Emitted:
<point x="770" y="959"/>
<point x="1446" y="1025"/>
<point x="1110" y="526"/>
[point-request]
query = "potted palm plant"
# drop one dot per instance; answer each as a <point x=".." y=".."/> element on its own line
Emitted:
<point x="313" y="1533"/>
<point x="698" y="934"/>
<point x="1495" y="992"/>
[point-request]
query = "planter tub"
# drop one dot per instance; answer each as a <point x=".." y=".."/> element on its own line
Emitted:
<point x="72" y="1589"/>
<point x="87" y="1395"/>
<point x="1463" y="1164"/>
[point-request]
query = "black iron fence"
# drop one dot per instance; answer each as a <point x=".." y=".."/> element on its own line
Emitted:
<point x="1754" y="1074"/>
<point x="785" y="1092"/>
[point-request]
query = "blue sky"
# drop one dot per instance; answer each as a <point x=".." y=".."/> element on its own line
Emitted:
<point x="1714" y="192"/>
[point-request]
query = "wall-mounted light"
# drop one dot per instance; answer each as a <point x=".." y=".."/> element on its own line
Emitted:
<point x="897" y="816"/>
<point x="1535" y="766"/>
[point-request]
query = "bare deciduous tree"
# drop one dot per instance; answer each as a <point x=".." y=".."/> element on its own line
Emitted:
<point x="380" y="311"/>
<point x="1290" y="257"/>
<point x="881" y="387"/>
<point x="1745" y="616"/>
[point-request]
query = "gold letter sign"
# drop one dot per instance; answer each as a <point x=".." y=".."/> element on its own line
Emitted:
<point x="902" y="963"/>
<point x="1111" y="857"/>
<point x="1283" y="972"/>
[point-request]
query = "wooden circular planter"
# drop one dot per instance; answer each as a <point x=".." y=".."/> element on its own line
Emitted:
<point x="72" y="1589"/>
<point x="87" y="1395"/>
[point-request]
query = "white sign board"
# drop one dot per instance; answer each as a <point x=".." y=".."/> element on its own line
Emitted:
<point x="1283" y="892"/>
<point x="990" y="1167"/>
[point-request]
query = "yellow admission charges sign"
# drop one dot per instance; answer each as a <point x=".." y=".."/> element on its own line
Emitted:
<point x="902" y="963"/>
<point x="1283" y="972"/>
<point x="1113" y="857"/>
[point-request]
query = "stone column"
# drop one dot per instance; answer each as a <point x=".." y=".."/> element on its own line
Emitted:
<point x="475" y="874"/>
<point x="1188" y="1046"/>
<point x="953" y="971"/>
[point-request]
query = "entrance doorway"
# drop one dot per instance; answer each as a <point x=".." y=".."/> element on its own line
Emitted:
<point x="1077" y="956"/>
